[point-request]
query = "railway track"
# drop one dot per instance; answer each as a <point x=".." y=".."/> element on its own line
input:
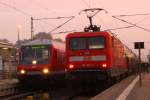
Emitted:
<point x="9" y="89"/>
<point x="24" y="96"/>
<point x="60" y="91"/>
<point x="76" y="91"/>
<point x="17" y="91"/>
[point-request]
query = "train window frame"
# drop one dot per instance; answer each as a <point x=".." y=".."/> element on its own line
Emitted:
<point x="87" y="43"/>
<point x="35" y="55"/>
<point x="76" y="38"/>
<point x="98" y="48"/>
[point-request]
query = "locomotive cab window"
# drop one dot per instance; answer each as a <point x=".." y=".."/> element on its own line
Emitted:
<point x="96" y="43"/>
<point x="78" y="43"/>
<point x="39" y="53"/>
<point x="87" y="43"/>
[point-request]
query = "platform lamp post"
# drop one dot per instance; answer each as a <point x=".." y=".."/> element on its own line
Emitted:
<point x="139" y="46"/>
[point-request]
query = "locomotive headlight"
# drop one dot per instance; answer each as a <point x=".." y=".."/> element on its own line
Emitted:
<point x="104" y="65"/>
<point x="45" y="71"/>
<point x="71" y="66"/>
<point x="34" y="62"/>
<point x="22" y="71"/>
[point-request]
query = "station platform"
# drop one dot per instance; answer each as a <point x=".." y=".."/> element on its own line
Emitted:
<point x="135" y="87"/>
<point x="8" y="81"/>
<point x="141" y="91"/>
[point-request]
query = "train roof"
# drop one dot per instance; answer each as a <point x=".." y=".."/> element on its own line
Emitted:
<point x="88" y="33"/>
<point x="38" y="42"/>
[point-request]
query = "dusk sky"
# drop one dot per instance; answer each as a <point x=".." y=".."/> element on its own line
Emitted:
<point x="18" y="12"/>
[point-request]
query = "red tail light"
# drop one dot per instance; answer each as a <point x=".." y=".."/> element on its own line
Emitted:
<point x="71" y="66"/>
<point x="104" y="65"/>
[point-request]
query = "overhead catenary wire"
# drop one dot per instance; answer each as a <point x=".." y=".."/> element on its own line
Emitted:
<point x="43" y="7"/>
<point x="126" y="15"/>
<point x="62" y="24"/>
<point x="46" y="18"/>
<point x="14" y="8"/>
<point x="100" y="3"/>
<point x="120" y="28"/>
<point x="42" y="26"/>
<point x="72" y="17"/>
<point x="39" y="4"/>
<point x="135" y="25"/>
<point x="131" y="24"/>
<point x="143" y="19"/>
<point x="50" y="25"/>
<point x="42" y="19"/>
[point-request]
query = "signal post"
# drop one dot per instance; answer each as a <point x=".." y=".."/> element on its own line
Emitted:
<point x="139" y="46"/>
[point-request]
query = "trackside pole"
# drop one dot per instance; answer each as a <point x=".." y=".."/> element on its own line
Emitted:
<point x="140" y="68"/>
<point x="139" y="46"/>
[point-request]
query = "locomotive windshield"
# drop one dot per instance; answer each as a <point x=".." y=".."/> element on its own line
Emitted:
<point x="87" y="43"/>
<point x="40" y="53"/>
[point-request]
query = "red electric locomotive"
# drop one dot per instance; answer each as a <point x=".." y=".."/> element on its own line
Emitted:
<point x="41" y="58"/>
<point x="94" y="54"/>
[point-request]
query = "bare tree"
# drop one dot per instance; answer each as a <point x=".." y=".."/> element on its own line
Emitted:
<point x="42" y="35"/>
